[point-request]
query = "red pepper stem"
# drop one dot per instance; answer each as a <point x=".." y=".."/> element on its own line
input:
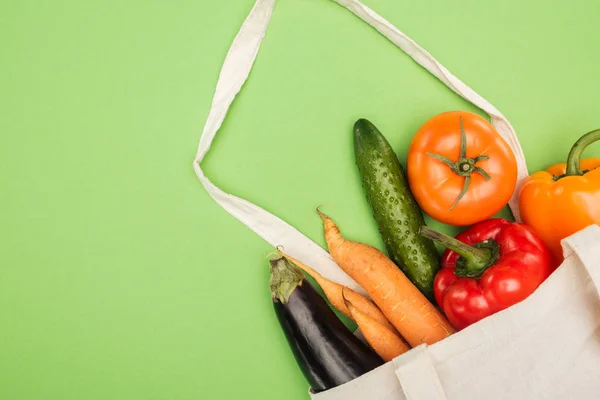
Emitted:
<point x="574" y="159"/>
<point x="475" y="260"/>
<point x="469" y="252"/>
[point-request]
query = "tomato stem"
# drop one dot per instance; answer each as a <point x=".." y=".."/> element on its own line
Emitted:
<point x="473" y="260"/>
<point x="463" y="140"/>
<point x="574" y="159"/>
<point x="464" y="166"/>
<point x="462" y="192"/>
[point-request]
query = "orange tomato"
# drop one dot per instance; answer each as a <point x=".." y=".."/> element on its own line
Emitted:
<point x="460" y="170"/>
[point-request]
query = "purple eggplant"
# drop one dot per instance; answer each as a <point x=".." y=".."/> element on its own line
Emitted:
<point x="327" y="352"/>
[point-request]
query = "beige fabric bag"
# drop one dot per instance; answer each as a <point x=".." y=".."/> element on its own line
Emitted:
<point x="546" y="347"/>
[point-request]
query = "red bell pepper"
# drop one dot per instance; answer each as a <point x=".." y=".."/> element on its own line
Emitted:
<point x="487" y="268"/>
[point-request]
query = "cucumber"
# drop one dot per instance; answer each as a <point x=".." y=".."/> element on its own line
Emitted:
<point x="396" y="212"/>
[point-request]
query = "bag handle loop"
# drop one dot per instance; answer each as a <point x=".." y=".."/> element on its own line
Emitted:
<point x="234" y="72"/>
<point x="417" y="375"/>
<point x="584" y="245"/>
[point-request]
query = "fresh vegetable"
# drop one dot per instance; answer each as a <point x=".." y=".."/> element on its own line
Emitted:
<point x="336" y="293"/>
<point x="460" y="170"/>
<point x="565" y="198"/>
<point x="395" y="210"/>
<point x="487" y="268"/>
<point x="327" y="352"/>
<point x="383" y="340"/>
<point x="417" y="320"/>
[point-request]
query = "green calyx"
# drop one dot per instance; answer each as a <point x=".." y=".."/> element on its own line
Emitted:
<point x="473" y="260"/>
<point x="474" y="268"/>
<point x="464" y="166"/>
<point x="574" y="159"/>
<point x="285" y="278"/>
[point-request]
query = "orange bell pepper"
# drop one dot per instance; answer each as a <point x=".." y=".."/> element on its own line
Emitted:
<point x="565" y="198"/>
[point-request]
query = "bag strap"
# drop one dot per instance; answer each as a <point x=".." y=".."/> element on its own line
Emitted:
<point x="584" y="245"/>
<point x="234" y="72"/>
<point x="417" y="375"/>
<point x="426" y="60"/>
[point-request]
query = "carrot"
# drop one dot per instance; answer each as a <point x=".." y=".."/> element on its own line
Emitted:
<point x="384" y="341"/>
<point x="333" y="291"/>
<point x="417" y="320"/>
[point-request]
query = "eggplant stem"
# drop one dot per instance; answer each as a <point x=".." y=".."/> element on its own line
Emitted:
<point x="285" y="278"/>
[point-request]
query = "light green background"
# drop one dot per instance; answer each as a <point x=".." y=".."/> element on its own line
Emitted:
<point x="120" y="278"/>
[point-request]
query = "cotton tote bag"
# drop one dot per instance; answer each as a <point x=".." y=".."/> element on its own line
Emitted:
<point x="546" y="347"/>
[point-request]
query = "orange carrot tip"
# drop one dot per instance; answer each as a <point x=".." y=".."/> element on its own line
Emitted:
<point x="386" y="343"/>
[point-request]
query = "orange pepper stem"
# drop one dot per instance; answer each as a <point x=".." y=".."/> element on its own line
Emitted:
<point x="473" y="260"/>
<point x="574" y="159"/>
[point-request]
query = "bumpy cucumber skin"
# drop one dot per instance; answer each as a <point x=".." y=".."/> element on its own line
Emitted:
<point x="396" y="212"/>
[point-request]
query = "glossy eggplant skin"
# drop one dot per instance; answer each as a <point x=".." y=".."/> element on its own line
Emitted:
<point x="326" y="351"/>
